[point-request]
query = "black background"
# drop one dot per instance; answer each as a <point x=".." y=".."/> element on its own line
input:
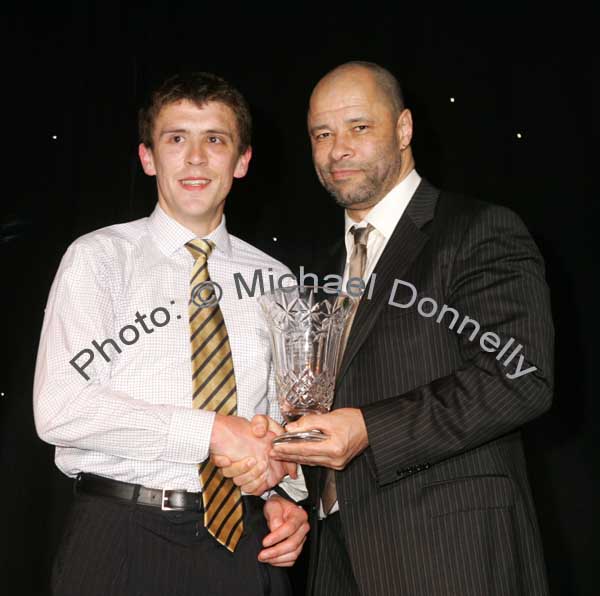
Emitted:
<point x="80" y="71"/>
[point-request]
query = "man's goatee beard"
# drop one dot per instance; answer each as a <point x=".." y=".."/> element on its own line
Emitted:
<point x="356" y="198"/>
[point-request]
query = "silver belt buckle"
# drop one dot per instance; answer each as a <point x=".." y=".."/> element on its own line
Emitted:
<point x="165" y="499"/>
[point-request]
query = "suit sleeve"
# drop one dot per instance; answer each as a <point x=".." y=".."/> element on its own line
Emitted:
<point x="497" y="279"/>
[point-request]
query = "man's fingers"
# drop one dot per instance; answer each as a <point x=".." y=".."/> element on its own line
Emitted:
<point x="279" y="532"/>
<point x="275" y="428"/>
<point x="286" y="531"/>
<point x="254" y="472"/>
<point x="275" y="523"/>
<point x="262" y="424"/>
<point x="309" y="422"/>
<point x="256" y="488"/>
<point x="238" y="468"/>
<point x="293" y="451"/>
<point x="286" y="551"/>
<point x="291" y="468"/>
<point x="286" y="560"/>
<point x="310" y="460"/>
<point x="324" y="462"/>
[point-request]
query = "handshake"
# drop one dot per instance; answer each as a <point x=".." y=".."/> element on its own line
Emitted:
<point x="244" y="450"/>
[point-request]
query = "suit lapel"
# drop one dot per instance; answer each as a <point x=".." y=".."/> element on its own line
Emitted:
<point x="402" y="249"/>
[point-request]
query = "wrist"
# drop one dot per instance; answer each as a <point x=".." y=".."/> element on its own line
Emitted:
<point x="220" y="431"/>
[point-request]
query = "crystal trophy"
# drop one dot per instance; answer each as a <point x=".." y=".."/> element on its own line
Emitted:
<point x="307" y="328"/>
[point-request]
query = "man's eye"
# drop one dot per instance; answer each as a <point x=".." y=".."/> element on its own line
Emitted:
<point x="322" y="135"/>
<point x="215" y="139"/>
<point x="177" y="139"/>
<point x="361" y="128"/>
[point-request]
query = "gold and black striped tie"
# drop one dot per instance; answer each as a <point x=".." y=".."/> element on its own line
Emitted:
<point x="213" y="383"/>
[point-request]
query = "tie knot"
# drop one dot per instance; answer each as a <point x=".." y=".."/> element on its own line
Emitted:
<point x="200" y="249"/>
<point x="361" y="235"/>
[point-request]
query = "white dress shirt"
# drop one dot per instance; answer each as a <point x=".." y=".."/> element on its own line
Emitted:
<point x="384" y="218"/>
<point x="133" y="419"/>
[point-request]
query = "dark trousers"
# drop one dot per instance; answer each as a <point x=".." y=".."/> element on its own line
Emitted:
<point x="116" y="548"/>
<point x="334" y="575"/>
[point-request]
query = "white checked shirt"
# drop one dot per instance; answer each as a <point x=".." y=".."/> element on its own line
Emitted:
<point x="133" y="419"/>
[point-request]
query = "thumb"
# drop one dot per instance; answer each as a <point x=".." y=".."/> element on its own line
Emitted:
<point x="259" y="425"/>
<point x="273" y="513"/>
<point x="221" y="461"/>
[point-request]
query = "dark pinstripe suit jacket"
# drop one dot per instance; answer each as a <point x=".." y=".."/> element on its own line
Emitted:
<point x="439" y="503"/>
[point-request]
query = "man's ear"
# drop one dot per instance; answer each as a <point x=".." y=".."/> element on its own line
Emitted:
<point x="241" y="167"/>
<point x="404" y="128"/>
<point x="147" y="159"/>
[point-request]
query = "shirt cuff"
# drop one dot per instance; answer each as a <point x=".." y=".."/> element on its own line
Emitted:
<point x="295" y="489"/>
<point x="189" y="436"/>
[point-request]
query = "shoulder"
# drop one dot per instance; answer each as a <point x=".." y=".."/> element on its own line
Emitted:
<point x="106" y="246"/>
<point x="460" y="214"/>
<point x="476" y="231"/>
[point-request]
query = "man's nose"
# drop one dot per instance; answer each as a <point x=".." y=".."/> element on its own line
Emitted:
<point x="341" y="148"/>
<point x="196" y="154"/>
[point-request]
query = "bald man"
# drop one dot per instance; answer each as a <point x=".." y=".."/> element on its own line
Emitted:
<point x="422" y="485"/>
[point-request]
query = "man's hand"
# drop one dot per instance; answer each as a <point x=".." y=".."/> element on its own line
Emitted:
<point x="232" y="437"/>
<point x="256" y="475"/>
<point x="288" y="527"/>
<point x="347" y="438"/>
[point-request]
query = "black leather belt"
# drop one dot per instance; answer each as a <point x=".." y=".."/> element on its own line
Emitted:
<point x="167" y="500"/>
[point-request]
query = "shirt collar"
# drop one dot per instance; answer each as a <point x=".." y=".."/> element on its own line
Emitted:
<point x="386" y="214"/>
<point x="170" y="235"/>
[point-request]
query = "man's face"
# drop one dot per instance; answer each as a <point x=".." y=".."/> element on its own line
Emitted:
<point x="356" y="139"/>
<point x="195" y="156"/>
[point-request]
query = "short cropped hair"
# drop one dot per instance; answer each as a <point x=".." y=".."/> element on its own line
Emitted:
<point x="386" y="81"/>
<point x="199" y="88"/>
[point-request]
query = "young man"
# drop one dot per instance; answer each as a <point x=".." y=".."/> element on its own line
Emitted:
<point x="148" y="363"/>
<point x="447" y="357"/>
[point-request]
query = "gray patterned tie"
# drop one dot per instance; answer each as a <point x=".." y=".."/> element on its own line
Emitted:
<point x="358" y="264"/>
